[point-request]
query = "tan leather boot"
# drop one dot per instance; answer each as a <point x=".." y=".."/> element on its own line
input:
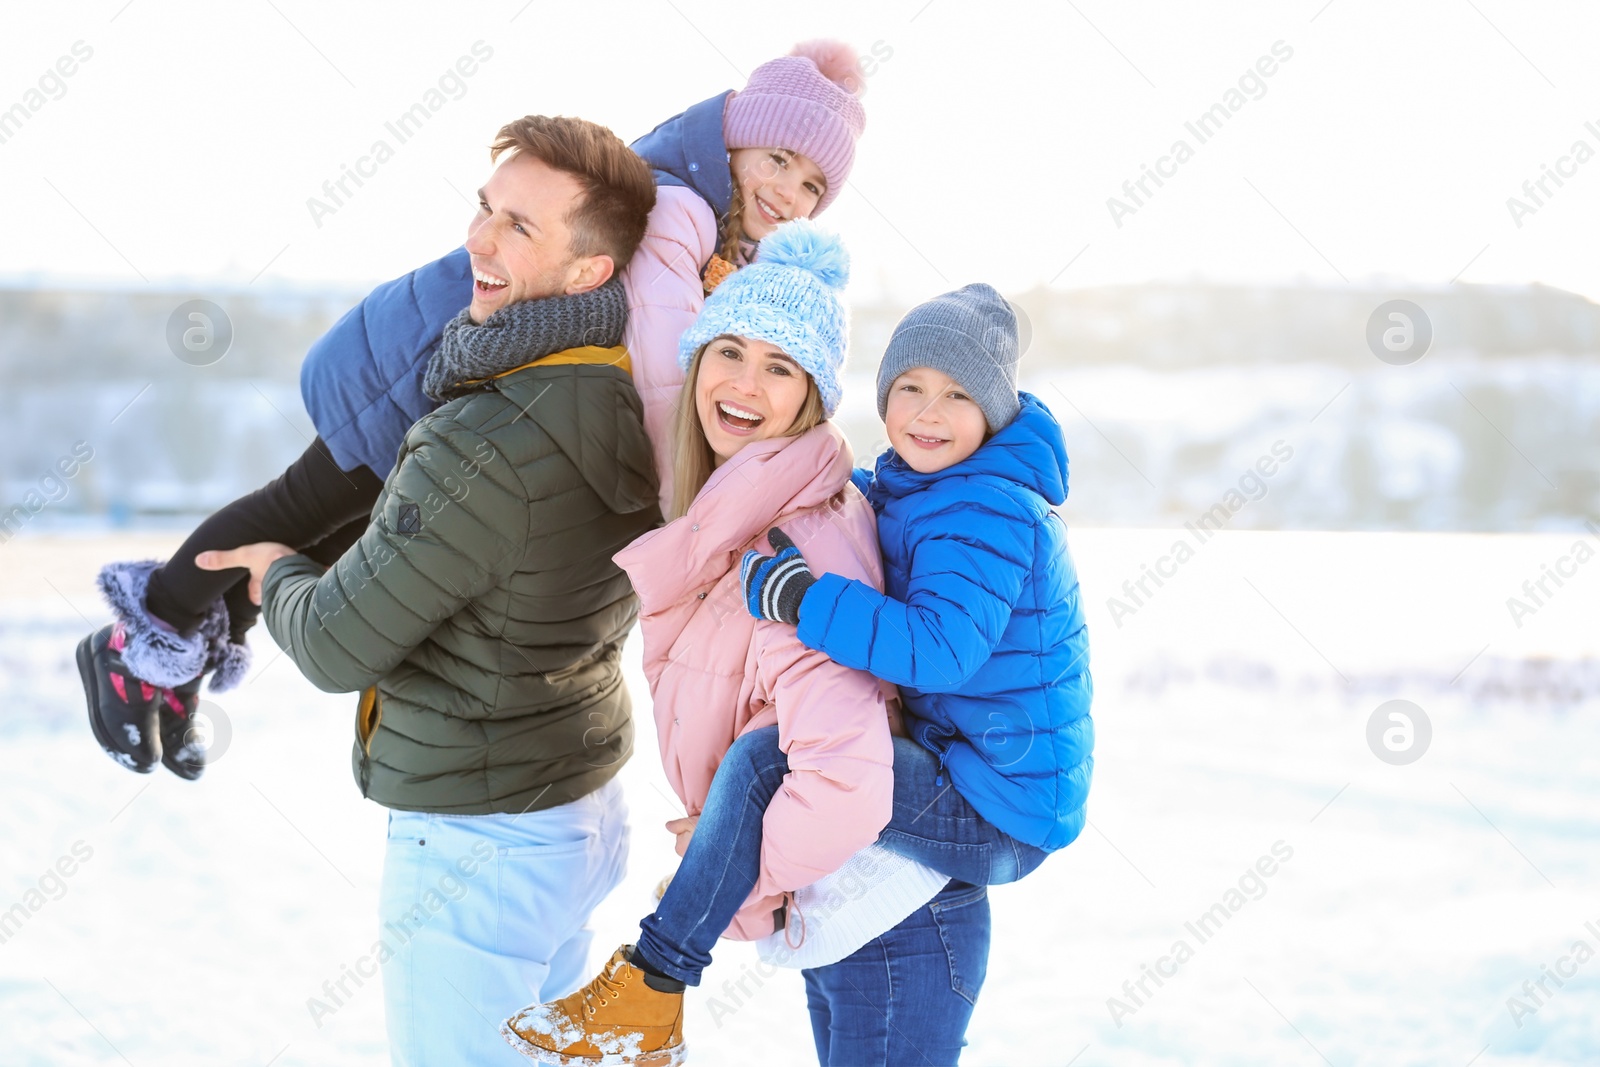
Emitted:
<point x="614" y="1020"/>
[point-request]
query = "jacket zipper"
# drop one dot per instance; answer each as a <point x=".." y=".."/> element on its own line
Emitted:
<point x="940" y="746"/>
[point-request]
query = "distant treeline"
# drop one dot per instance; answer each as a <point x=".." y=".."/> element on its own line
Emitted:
<point x="63" y="334"/>
<point x="1168" y="393"/>
<point x="1169" y="325"/>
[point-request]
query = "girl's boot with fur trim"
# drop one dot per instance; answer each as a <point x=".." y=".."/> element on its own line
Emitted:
<point x="122" y="709"/>
<point x="128" y="669"/>
<point x="183" y="741"/>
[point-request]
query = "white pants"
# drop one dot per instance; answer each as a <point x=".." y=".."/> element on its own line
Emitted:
<point x="485" y="914"/>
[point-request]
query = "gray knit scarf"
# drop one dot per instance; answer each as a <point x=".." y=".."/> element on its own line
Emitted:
<point x="521" y="333"/>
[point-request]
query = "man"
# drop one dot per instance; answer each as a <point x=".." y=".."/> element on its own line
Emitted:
<point x="480" y="614"/>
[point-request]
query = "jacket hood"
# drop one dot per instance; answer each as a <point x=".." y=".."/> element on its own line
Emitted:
<point x="688" y="150"/>
<point x="766" y="482"/>
<point x="592" y="413"/>
<point x="1030" y="451"/>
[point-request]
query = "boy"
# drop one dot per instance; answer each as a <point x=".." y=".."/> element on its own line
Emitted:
<point x="979" y="623"/>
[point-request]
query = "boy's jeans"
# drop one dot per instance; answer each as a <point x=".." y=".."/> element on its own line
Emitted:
<point x="932" y="824"/>
<point x="485" y="914"/>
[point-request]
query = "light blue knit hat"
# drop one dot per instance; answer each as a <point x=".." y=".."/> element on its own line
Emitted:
<point x="792" y="297"/>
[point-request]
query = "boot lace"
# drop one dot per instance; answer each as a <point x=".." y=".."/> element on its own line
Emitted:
<point x="606" y="987"/>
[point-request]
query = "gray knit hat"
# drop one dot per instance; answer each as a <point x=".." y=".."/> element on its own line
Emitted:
<point x="971" y="335"/>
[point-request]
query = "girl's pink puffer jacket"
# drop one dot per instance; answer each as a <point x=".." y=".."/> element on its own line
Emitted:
<point x="665" y="294"/>
<point x="715" y="672"/>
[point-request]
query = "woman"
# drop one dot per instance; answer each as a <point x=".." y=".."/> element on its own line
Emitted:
<point x="754" y="450"/>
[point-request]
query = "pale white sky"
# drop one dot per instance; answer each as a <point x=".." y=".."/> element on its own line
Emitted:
<point x="186" y="146"/>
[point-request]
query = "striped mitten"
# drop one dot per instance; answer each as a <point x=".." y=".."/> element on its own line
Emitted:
<point x="775" y="585"/>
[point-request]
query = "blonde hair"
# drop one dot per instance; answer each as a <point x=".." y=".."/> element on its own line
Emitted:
<point x="692" y="458"/>
<point x="732" y="228"/>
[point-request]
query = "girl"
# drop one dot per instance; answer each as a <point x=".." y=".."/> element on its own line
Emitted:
<point x="762" y="363"/>
<point x="727" y="171"/>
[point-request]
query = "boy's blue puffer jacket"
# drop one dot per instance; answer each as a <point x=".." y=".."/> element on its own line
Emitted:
<point x="979" y="625"/>
<point x="362" y="380"/>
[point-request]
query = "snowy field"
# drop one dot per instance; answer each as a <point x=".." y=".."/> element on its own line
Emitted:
<point x="1405" y="905"/>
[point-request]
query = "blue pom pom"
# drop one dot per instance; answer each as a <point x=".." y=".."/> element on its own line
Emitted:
<point x="802" y="243"/>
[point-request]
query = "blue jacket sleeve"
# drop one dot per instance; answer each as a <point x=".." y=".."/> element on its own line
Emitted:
<point x="361" y="382"/>
<point x="970" y="560"/>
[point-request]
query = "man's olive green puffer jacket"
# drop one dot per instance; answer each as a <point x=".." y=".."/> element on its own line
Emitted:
<point x="481" y="611"/>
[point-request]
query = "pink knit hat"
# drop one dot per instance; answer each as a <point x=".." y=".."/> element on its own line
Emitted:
<point x="806" y="102"/>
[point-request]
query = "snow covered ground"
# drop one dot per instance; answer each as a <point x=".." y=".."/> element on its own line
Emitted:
<point x="1404" y="906"/>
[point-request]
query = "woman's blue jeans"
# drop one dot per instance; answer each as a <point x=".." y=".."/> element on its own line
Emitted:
<point x="932" y="823"/>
